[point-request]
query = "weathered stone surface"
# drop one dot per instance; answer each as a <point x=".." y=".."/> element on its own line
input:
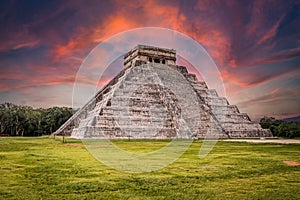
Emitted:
<point x="154" y="98"/>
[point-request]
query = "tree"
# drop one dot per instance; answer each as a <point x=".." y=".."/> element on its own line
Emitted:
<point x="267" y="122"/>
<point x="4" y="119"/>
<point x="26" y="121"/>
<point x="280" y="128"/>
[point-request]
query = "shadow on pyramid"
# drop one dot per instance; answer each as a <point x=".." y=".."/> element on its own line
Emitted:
<point x="152" y="97"/>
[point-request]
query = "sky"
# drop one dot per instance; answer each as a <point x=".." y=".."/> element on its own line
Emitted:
<point x="255" y="45"/>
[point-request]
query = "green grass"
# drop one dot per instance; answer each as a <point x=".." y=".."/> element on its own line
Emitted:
<point x="44" y="168"/>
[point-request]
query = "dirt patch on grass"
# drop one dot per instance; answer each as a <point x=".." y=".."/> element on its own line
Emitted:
<point x="206" y="167"/>
<point x="74" y="144"/>
<point x="291" y="163"/>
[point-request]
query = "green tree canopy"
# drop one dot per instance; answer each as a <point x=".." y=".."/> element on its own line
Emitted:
<point x="26" y="121"/>
<point x="280" y="128"/>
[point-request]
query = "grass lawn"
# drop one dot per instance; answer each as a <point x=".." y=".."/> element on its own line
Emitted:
<point x="44" y="168"/>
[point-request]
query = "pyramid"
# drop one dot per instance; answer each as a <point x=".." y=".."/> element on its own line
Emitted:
<point x="152" y="97"/>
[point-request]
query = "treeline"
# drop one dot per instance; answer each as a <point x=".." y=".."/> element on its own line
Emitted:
<point x="25" y="121"/>
<point x="280" y="128"/>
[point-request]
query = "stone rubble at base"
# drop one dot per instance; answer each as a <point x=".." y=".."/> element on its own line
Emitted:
<point x="152" y="97"/>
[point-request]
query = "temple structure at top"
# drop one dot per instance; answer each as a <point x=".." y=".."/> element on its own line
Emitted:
<point x="151" y="55"/>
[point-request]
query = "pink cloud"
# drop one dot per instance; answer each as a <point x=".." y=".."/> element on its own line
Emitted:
<point x="254" y="78"/>
<point x="26" y="44"/>
<point x="270" y="33"/>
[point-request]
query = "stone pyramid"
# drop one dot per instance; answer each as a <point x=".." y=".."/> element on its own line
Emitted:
<point x="152" y="97"/>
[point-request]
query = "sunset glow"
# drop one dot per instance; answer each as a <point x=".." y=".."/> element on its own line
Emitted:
<point x="255" y="45"/>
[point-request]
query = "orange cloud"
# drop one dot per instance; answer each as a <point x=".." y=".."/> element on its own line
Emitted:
<point x="124" y="18"/>
<point x="233" y="62"/>
<point x="149" y="13"/>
